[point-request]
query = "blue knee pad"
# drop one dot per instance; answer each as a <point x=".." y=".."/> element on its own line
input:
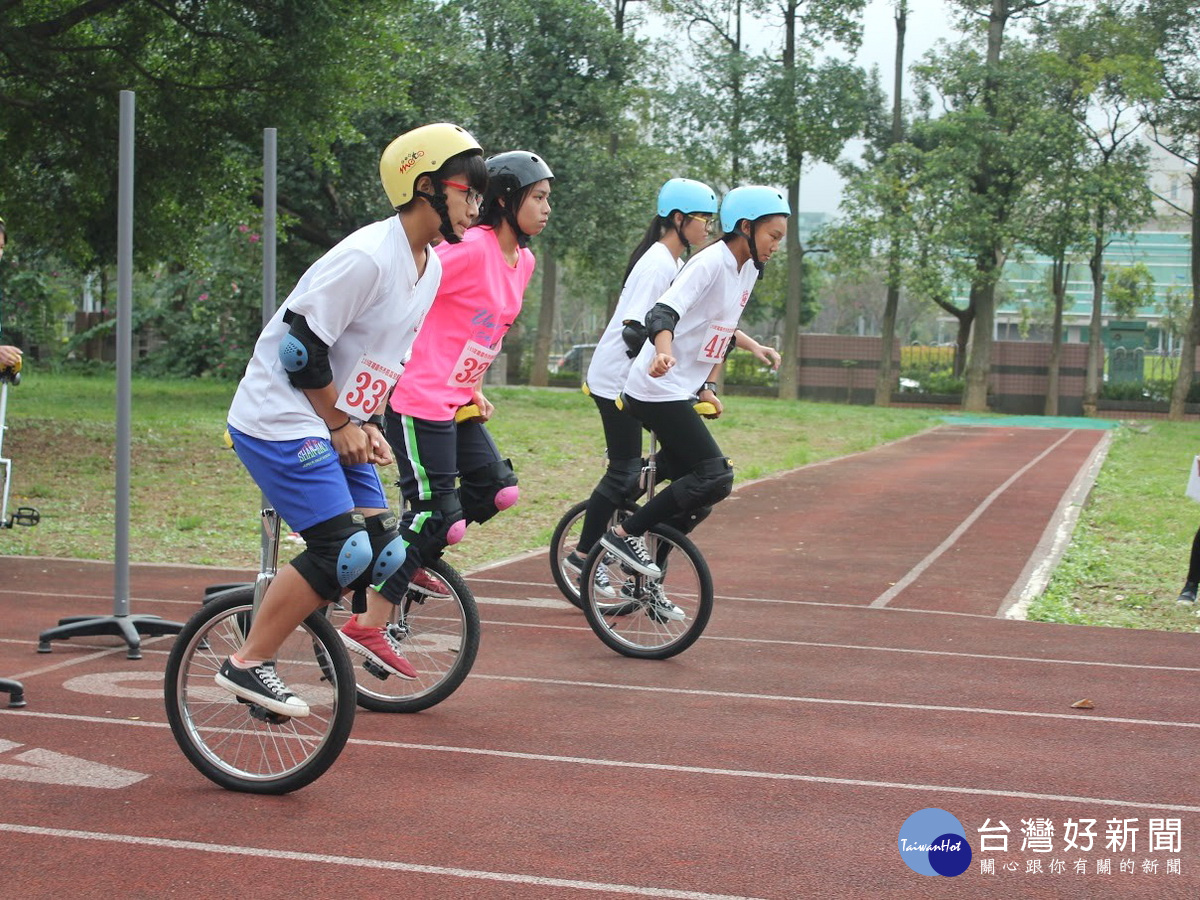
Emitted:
<point x="336" y="554"/>
<point x="387" y="546"/>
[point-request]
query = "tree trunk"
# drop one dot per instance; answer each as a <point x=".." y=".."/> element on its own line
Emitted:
<point x="1095" y="354"/>
<point x="1059" y="271"/>
<point x="789" y="369"/>
<point x="1191" y="338"/>
<point x="884" y="382"/>
<point x="539" y="372"/>
<point x="979" y="357"/>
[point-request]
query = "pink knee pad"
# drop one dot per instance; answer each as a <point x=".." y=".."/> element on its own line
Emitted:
<point x="506" y="497"/>
<point x="455" y="532"/>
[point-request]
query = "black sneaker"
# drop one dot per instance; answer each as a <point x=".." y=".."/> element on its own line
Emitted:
<point x="601" y="583"/>
<point x="262" y="686"/>
<point x="659" y="608"/>
<point x="1188" y="594"/>
<point x="632" y="552"/>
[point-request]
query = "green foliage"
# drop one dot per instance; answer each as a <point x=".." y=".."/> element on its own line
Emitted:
<point x="1129" y="288"/>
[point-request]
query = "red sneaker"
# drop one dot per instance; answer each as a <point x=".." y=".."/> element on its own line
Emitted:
<point x="424" y="583"/>
<point x="379" y="645"/>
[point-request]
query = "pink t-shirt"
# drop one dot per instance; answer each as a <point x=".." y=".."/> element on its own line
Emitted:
<point x="478" y="301"/>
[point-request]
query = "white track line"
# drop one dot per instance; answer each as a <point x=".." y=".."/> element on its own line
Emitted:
<point x="358" y="862"/>
<point x="706" y="770"/>
<point x="915" y="572"/>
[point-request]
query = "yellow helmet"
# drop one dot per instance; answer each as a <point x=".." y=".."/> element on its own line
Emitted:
<point x="417" y="152"/>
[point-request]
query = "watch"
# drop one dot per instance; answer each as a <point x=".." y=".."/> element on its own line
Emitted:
<point x="709" y="386"/>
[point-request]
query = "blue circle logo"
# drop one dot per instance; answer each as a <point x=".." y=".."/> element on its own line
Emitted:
<point x="933" y="842"/>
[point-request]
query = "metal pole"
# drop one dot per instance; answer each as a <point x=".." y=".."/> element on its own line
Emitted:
<point x="124" y="350"/>
<point x="270" y="156"/>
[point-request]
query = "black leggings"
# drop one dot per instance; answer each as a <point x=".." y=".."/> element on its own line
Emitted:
<point x="623" y="441"/>
<point x="686" y="442"/>
<point x="1194" y="563"/>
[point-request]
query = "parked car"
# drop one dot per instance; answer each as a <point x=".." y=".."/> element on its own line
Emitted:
<point x="572" y="360"/>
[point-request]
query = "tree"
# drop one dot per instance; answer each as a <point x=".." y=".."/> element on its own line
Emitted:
<point x="554" y="76"/>
<point x="806" y="112"/>
<point x="1174" y="118"/>
<point x="209" y="77"/>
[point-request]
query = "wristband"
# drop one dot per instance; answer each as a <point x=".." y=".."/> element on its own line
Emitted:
<point x="340" y="427"/>
<point x="709" y="386"/>
<point x="376" y="420"/>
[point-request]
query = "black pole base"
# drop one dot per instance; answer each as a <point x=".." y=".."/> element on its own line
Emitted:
<point x="15" y="690"/>
<point x="128" y="627"/>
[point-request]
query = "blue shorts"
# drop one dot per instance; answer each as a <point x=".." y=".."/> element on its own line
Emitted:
<point x="304" y="481"/>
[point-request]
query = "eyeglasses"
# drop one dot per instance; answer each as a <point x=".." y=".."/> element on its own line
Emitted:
<point x="701" y="217"/>
<point x="473" y="196"/>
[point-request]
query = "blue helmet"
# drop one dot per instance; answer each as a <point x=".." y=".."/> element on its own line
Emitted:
<point x="751" y="202"/>
<point x="687" y="196"/>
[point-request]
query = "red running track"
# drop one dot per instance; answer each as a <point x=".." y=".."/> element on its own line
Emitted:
<point x="857" y="669"/>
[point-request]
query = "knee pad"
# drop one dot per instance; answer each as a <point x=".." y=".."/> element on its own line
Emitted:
<point x="487" y="490"/>
<point x="619" y="485"/>
<point x="439" y="523"/>
<point x="708" y="483"/>
<point x="387" y="546"/>
<point x="337" y="552"/>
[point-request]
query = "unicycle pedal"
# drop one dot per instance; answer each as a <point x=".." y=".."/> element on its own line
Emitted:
<point x="263" y="714"/>
<point x="376" y="669"/>
<point x="25" y="515"/>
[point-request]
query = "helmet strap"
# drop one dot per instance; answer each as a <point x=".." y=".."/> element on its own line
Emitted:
<point x="510" y="217"/>
<point x="754" y="252"/>
<point x="678" y="226"/>
<point x="438" y="201"/>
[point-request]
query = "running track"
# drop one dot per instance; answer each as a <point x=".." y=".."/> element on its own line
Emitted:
<point x="859" y="667"/>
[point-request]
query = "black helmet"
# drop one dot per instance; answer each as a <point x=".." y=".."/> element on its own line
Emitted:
<point x="516" y="169"/>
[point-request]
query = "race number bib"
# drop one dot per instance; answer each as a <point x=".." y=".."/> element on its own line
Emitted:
<point x="367" y="387"/>
<point x="472" y="363"/>
<point x="716" y="343"/>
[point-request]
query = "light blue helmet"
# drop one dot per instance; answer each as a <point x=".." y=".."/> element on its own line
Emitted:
<point x="687" y="196"/>
<point x="751" y="202"/>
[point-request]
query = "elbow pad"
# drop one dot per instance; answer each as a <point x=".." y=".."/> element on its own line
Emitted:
<point x="634" y="335"/>
<point x="661" y="318"/>
<point x="305" y="356"/>
<point x="732" y="344"/>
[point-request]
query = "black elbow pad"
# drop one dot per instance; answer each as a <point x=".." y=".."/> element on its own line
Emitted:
<point x="661" y="318"/>
<point x="634" y="335"/>
<point x="305" y="356"/>
<point x="732" y="344"/>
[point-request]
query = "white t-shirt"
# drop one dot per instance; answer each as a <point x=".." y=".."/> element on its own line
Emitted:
<point x="649" y="277"/>
<point x="709" y="294"/>
<point x="363" y="297"/>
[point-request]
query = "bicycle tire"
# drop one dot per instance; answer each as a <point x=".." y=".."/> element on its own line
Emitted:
<point x="236" y="744"/>
<point x="440" y="637"/>
<point x="637" y="629"/>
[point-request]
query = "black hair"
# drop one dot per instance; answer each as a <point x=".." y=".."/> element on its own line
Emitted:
<point x="658" y="227"/>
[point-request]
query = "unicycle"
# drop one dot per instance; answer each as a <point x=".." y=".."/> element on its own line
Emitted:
<point x="650" y="618"/>
<point x="240" y="745"/>
<point x="437" y="625"/>
<point x="564" y="541"/>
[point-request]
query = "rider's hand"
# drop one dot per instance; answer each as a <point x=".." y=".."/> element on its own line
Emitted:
<point x="485" y="405"/>
<point x="768" y="356"/>
<point x="661" y="363"/>
<point x="381" y="453"/>
<point x="710" y="397"/>
<point x="352" y="444"/>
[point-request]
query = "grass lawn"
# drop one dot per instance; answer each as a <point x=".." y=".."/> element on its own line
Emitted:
<point x="193" y="503"/>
